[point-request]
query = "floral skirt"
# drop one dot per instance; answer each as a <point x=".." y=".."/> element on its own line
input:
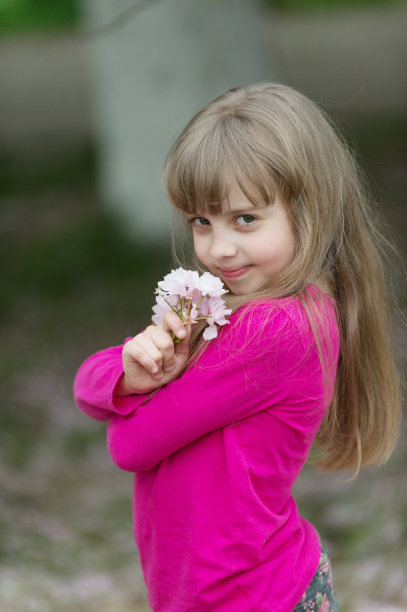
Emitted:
<point x="320" y="595"/>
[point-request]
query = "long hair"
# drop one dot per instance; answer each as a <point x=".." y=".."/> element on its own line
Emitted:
<point x="271" y="139"/>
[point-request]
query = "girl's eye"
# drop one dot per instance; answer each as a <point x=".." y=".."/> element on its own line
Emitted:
<point x="199" y="221"/>
<point x="243" y="220"/>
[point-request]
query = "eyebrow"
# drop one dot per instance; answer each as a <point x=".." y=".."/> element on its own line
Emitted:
<point x="241" y="211"/>
<point x="232" y="213"/>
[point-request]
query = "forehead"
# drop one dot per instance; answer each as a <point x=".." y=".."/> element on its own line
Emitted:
<point x="236" y="197"/>
<point x="234" y="201"/>
<point x="206" y="178"/>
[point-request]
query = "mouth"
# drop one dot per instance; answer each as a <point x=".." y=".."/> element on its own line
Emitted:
<point x="233" y="272"/>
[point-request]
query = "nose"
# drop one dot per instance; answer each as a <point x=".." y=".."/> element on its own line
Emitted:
<point x="222" y="245"/>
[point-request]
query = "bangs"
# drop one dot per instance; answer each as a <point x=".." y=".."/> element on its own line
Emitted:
<point x="202" y="168"/>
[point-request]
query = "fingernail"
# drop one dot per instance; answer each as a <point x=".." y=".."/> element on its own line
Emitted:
<point x="169" y="367"/>
<point x="158" y="375"/>
<point x="181" y="331"/>
<point x="154" y="370"/>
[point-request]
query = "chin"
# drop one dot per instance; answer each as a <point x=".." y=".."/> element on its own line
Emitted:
<point x="243" y="290"/>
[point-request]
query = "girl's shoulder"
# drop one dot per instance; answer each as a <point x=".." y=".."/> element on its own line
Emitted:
<point x="287" y="317"/>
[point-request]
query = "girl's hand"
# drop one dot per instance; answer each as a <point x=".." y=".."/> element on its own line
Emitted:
<point x="151" y="359"/>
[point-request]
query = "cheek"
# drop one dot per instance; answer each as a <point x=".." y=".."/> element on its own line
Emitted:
<point x="286" y="246"/>
<point x="284" y="240"/>
<point x="276" y="249"/>
<point x="290" y="235"/>
<point x="199" y="248"/>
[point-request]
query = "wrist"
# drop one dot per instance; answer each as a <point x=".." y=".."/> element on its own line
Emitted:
<point x="122" y="387"/>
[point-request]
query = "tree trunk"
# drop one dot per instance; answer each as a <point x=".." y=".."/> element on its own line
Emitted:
<point x="150" y="73"/>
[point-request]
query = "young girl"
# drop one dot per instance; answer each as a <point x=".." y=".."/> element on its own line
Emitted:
<point x="217" y="432"/>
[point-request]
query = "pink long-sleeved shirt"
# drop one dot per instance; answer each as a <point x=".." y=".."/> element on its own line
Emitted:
<point x="215" y="455"/>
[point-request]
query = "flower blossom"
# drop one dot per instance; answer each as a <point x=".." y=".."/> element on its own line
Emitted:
<point x="179" y="282"/>
<point x="210" y="285"/>
<point x="192" y="298"/>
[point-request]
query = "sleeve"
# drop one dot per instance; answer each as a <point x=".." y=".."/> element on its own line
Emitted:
<point x="96" y="381"/>
<point x="245" y="370"/>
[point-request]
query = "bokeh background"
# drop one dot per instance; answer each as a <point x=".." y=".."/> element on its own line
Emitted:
<point x="91" y="95"/>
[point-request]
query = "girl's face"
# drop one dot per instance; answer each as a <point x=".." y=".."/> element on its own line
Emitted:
<point x="245" y="245"/>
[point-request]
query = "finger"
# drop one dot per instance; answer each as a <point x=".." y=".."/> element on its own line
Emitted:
<point x="182" y="348"/>
<point x="144" y="352"/>
<point x="144" y="345"/>
<point x="164" y="343"/>
<point x="172" y="323"/>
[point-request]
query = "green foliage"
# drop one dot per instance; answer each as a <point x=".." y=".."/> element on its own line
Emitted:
<point x="38" y="14"/>
<point x="35" y="176"/>
<point x="59" y="246"/>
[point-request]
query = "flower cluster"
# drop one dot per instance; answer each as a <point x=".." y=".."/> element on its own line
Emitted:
<point x="192" y="298"/>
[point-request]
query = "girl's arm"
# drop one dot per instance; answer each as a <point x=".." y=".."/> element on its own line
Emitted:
<point x="249" y="368"/>
<point x="96" y="381"/>
<point x="152" y="359"/>
<point x="144" y="363"/>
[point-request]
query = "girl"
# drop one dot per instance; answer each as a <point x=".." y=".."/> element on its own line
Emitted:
<point x="275" y="207"/>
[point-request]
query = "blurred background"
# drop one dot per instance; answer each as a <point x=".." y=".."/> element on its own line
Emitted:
<point x="92" y="93"/>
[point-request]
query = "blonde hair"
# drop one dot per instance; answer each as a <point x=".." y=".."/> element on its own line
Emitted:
<point x="272" y="139"/>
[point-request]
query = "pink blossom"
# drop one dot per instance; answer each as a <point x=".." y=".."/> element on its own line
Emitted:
<point x="179" y="282"/>
<point x="210" y="285"/>
<point x="193" y="298"/>
<point x="210" y="332"/>
<point x="217" y="311"/>
<point x="162" y="306"/>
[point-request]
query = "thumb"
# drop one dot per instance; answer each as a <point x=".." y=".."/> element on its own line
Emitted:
<point x="182" y="348"/>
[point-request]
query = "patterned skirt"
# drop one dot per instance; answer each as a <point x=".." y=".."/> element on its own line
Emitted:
<point x="320" y="595"/>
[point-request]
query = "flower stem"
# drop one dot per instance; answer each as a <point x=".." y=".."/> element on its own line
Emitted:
<point x="173" y="308"/>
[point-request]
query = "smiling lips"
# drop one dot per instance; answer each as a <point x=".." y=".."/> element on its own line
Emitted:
<point x="233" y="272"/>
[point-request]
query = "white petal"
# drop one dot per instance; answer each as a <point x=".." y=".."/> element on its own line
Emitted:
<point x="210" y="332"/>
